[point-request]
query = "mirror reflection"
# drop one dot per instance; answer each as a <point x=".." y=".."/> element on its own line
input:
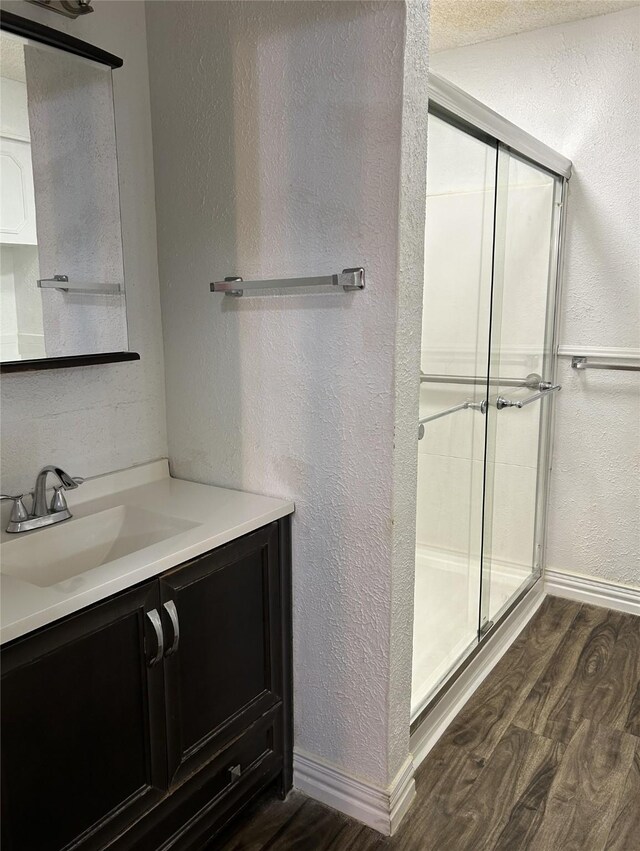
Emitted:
<point x="62" y="277"/>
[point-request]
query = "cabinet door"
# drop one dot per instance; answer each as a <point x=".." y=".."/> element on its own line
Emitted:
<point x="83" y="740"/>
<point x="17" y="204"/>
<point x="226" y="670"/>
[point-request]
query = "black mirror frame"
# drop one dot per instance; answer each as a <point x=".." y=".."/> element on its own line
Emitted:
<point x="15" y="24"/>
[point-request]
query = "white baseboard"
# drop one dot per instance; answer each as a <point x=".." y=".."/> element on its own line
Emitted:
<point x="403" y="791"/>
<point x="488" y="656"/>
<point x="587" y="589"/>
<point x="381" y="809"/>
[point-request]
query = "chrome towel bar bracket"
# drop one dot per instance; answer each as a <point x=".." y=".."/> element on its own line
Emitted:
<point x="349" y="280"/>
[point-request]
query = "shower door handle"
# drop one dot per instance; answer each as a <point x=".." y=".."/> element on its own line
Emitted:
<point x="474" y="406"/>
<point x="501" y="402"/>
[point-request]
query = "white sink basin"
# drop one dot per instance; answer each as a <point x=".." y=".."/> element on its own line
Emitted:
<point x="56" y="553"/>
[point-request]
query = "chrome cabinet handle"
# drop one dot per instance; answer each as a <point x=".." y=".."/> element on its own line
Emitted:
<point x="156" y="623"/>
<point x="501" y="402"/>
<point x="170" y="609"/>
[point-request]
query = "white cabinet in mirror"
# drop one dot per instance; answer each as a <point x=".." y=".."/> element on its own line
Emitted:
<point x="62" y="288"/>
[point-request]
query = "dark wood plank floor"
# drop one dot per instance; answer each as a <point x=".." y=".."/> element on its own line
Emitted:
<point x="544" y="757"/>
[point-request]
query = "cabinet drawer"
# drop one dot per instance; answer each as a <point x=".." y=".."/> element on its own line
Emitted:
<point x="189" y="817"/>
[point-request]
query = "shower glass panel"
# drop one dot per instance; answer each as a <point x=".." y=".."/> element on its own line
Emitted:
<point x="455" y="342"/>
<point x="528" y="202"/>
<point x="487" y="371"/>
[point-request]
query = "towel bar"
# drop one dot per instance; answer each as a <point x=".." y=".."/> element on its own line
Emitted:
<point x="64" y="285"/>
<point x="348" y="279"/>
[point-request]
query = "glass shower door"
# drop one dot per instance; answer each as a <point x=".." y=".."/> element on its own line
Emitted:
<point x="528" y="203"/>
<point x="461" y="174"/>
<point x="487" y="372"/>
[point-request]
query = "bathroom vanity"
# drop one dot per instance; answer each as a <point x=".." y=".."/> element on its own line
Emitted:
<point x="146" y="698"/>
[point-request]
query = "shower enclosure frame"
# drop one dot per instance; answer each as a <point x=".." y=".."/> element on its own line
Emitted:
<point x="455" y="106"/>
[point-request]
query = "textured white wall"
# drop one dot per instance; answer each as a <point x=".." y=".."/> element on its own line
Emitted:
<point x="101" y="418"/>
<point x="413" y="191"/>
<point x="575" y="87"/>
<point x="277" y="148"/>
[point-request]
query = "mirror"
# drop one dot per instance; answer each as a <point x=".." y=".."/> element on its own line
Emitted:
<point x="62" y="277"/>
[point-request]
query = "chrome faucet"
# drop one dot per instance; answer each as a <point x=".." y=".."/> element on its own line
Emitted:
<point x="41" y="513"/>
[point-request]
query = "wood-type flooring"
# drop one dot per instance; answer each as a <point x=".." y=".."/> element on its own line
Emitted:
<point x="544" y="757"/>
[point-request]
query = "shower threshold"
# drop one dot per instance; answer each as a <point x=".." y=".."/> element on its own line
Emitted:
<point x="530" y="592"/>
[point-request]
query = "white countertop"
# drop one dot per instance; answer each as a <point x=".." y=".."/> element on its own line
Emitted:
<point x="218" y="515"/>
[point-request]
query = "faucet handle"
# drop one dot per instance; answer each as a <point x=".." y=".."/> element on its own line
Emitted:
<point x="58" y="502"/>
<point x="18" y="510"/>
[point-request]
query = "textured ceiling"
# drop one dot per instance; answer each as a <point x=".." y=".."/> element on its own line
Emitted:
<point x="455" y="23"/>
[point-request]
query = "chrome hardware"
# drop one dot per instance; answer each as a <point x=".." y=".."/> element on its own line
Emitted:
<point x="444" y="413"/>
<point x="236" y="772"/>
<point x="58" y="502"/>
<point x="231" y="280"/>
<point x="18" y="511"/>
<point x="68" y="8"/>
<point x="357" y="279"/>
<point x="156" y="623"/>
<point x="63" y="285"/>
<point x="501" y="402"/>
<point x="42" y="514"/>
<point x="54" y="283"/>
<point x="533" y="381"/>
<point x="170" y="609"/>
<point x="348" y="279"/>
<point x="585" y="363"/>
<point x="475" y="406"/>
<point x="470" y="111"/>
<point x="40" y="492"/>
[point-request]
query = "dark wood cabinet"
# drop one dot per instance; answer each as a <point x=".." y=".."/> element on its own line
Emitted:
<point x="149" y="719"/>
<point x="82" y="725"/>
<point x="229" y="598"/>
